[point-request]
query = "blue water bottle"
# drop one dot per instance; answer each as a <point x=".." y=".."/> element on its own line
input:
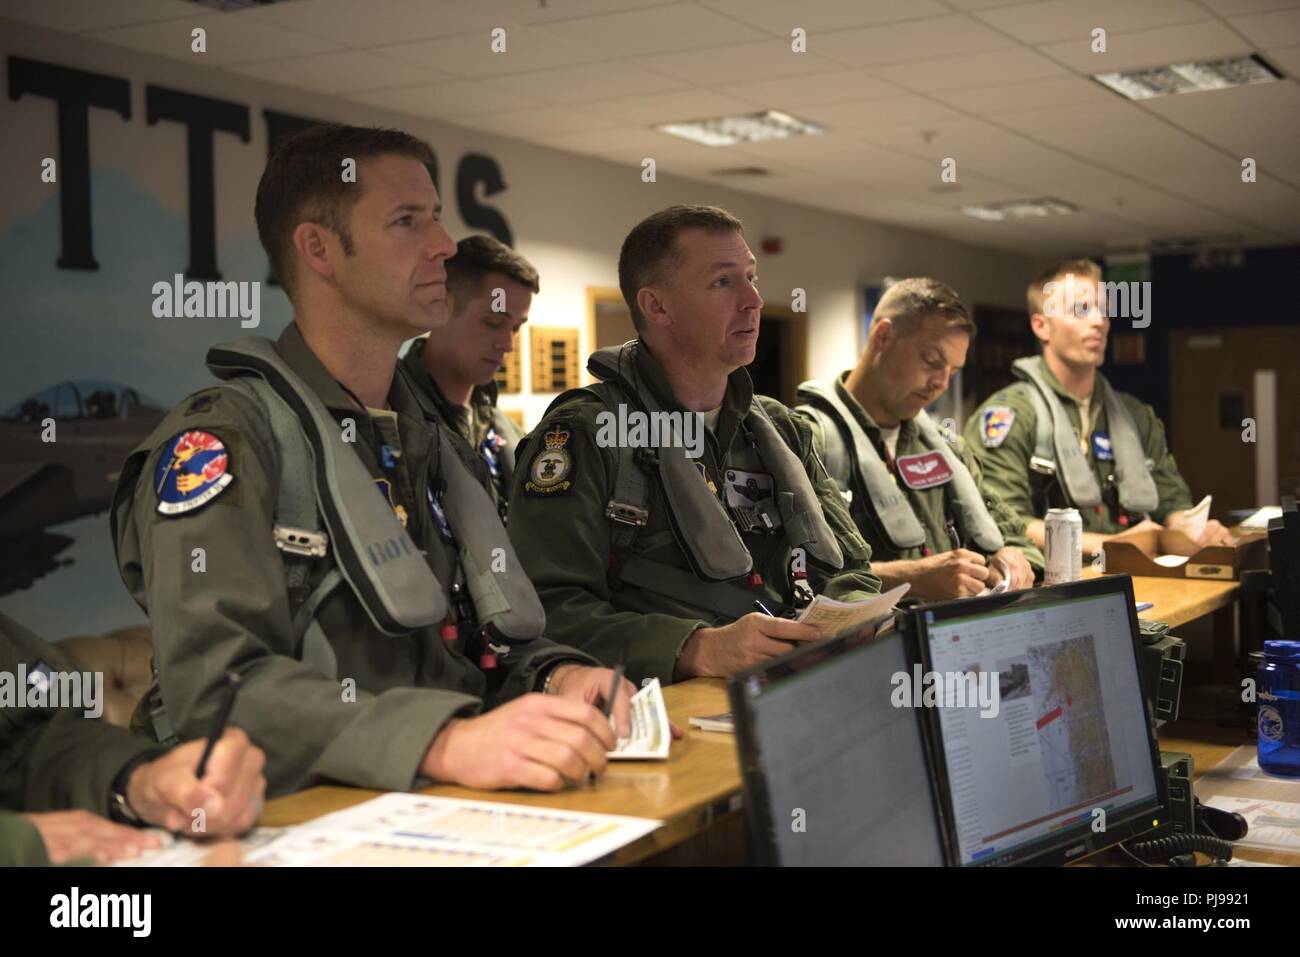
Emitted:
<point x="1278" y="696"/>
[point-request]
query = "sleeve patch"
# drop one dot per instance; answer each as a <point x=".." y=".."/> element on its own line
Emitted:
<point x="194" y="468"/>
<point x="551" y="470"/>
<point x="995" y="423"/>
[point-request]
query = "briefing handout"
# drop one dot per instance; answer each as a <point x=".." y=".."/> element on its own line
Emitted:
<point x="416" y="830"/>
<point x="836" y="617"/>
<point x="650" y="737"/>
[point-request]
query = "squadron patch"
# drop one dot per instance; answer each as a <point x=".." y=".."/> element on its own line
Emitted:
<point x="549" y="472"/>
<point x="995" y="423"/>
<point x="923" y="470"/>
<point x="704" y="474"/>
<point x="194" y="468"/>
<point x="1101" y="450"/>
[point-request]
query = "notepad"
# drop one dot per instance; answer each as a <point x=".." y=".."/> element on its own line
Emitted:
<point x="837" y="617"/>
<point x="650" y="736"/>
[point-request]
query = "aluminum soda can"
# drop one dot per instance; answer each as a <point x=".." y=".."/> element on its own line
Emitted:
<point x="1064" y="546"/>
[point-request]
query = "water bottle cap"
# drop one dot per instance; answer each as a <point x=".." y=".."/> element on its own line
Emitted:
<point x="1282" y="648"/>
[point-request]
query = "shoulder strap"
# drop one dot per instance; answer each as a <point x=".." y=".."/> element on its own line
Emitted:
<point x="866" y="469"/>
<point x="971" y="514"/>
<point x="1071" y="467"/>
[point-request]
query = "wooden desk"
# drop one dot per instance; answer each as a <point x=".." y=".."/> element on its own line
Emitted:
<point x="699" y="785"/>
<point x="1180" y="600"/>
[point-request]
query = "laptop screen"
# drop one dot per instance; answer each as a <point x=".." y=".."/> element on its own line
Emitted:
<point x="1069" y="734"/>
<point x="834" y="774"/>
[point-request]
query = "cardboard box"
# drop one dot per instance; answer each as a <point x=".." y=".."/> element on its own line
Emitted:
<point x="1135" y="553"/>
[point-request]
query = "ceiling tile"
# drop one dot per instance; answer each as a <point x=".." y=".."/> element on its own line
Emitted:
<point x="1127" y="51"/>
<point x="346" y="72"/>
<point x="669" y="107"/>
<point x="746" y="61"/>
<point x="527" y="124"/>
<point x="472" y="54"/>
<point x="913" y="40"/>
<point x="446" y="99"/>
<point x="1016" y="65"/>
<point x="588" y="81"/>
<point x="1070" y="20"/>
<point x="1012" y="97"/>
<point x="681" y="26"/>
<point x="229" y="40"/>
<point x="818" y="89"/>
<point x="1280" y="28"/>
<point x="375" y="22"/>
<point x="779" y="17"/>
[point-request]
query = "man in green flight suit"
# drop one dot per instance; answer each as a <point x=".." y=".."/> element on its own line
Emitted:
<point x="490" y="288"/>
<point x="671" y="551"/>
<point x="1062" y="437"/>
<point x="918" y="503"/>
<point x="71" y="784"/>
<point x="309" y="525"/>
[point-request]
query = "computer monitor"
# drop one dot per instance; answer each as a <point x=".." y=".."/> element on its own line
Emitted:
<point x="833" y="773"/>
<point x="1067" y="763"/>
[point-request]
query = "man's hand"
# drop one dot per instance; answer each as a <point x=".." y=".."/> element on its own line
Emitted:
<point x="543" y="742"/>
<point x="591" y="685"/>
<point x="165" y="791"/>
<point x="959" y="573"/>
<point x="71" y="835"/>
<point x="718" y="652"/>
<point x="1014" y="561"/>
<point x="1213" y="534"/>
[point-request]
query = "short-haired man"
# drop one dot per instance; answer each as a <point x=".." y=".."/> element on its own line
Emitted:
<point x="1062" y="437"/>
<point x="354" y="571"/>
<point x="490" y="289"/>
<point x="681" y="555"/>
<point x="916" y="500"/>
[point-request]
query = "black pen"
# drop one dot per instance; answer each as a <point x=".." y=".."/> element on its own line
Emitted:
<point x="219" y="723"/>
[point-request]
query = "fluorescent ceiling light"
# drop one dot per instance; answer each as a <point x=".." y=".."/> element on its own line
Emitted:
<point x="1019" y="209"/>
<point x="747" y="128"/>
<point x="1189" y="77"/>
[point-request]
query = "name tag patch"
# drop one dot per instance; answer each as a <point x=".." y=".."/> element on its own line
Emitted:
<point x="924" y="470"/>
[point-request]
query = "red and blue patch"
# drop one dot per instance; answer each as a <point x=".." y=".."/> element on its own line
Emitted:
<point x="995" y="423"/>
<point x="194" y="469"/>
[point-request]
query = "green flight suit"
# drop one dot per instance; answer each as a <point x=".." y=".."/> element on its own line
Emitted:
<point x="52" y="759"/>
<point x="563" y="537"/>
<point x="1005" y="451"/>
<point x="491" y="433"/>
<point x="930" y="504"/>
<point x="237" y="615"/>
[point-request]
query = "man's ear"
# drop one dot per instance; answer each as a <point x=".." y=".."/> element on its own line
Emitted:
<point x="883" y="333"/>
<point x="652" y="303"/>
<point x="1041" y="326"/>
<point x="317" y="248"/>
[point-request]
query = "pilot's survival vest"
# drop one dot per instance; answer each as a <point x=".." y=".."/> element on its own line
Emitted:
<point x="848" y="450"/>
<point x="700" y="522"/>
<point x="1057" y="452"/>
<point x="326" y="506"/>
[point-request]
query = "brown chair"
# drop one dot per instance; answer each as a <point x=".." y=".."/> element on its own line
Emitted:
<point x="123" y="657"/>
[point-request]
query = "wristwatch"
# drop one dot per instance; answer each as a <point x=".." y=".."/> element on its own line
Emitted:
<point x="119" y="808"/>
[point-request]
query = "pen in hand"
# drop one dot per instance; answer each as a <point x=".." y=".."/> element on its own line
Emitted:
<point x="219" y="721"/>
